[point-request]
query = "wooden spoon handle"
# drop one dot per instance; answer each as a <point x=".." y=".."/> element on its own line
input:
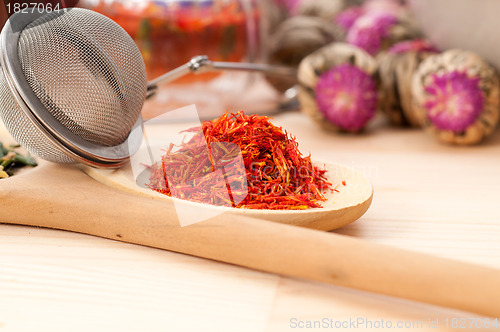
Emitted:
<point x="65" y="198"/>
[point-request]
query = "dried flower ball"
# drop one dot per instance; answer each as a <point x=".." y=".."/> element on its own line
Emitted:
<point x="326" y="9"/>
<point x="395" y="69"/>
<point x="348" y="17"/>
<point x="290" y="6"/>
<point x="377" y="25"/>
<point x="299" y="36"/>
<point x="369" y="31"/>
<point x="387" y="30"/>
<point x="390" y="6"/>
<point x="415" y="45"/>
<point x="296" y="38"/>
<point x="337" y="87"/>
<point x="347" y="97"/>
<point x="457" y="97"/>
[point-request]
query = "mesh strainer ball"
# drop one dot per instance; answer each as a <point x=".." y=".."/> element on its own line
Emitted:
<point x="72" y="87"/>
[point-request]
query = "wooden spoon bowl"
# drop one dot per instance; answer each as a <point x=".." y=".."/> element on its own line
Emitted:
<point x="346" y="204"/>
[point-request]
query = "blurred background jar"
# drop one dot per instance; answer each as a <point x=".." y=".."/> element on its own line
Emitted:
<point x="170" y="32"/>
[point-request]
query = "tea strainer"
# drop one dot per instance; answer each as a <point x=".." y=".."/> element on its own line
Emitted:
<point x="73" y="84"/>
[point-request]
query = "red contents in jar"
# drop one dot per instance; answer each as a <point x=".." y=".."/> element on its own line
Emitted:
<point x="169" y="34"/>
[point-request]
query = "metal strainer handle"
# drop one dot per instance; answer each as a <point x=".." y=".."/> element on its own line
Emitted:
<point x="201" y="64"/>
<point x="73" y="83"/>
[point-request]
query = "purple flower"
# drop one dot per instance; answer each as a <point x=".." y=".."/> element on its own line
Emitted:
<point x="455" y="101"/>
<point x="347" y="97"/>
<point x="369" y="30"/>
<point x="416" y="45"/>
<point x="346" y="18"/>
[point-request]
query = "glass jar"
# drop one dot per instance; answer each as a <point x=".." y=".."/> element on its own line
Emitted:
<point x="170" y="32"/>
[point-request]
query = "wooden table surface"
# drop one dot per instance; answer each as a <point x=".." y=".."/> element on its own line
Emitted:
<point x="429" y="197"/>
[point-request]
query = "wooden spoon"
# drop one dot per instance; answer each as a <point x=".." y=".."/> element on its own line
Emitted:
<point x="348" y="203"/>
<point x="63" y="197"/>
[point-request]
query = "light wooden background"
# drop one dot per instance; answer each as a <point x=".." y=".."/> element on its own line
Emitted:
<point x="428" y="197"/>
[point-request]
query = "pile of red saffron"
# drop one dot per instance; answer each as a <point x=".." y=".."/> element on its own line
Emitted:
<point x="206" y="168"/>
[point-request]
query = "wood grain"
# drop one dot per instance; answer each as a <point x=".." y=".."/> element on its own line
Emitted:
<point x="430" y="198"/>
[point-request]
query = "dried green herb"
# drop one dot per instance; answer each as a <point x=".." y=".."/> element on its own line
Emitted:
<point x="11" y="158"/>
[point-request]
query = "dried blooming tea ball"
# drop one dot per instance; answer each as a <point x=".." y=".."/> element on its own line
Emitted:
<point x="389" y="6"/>
<point x="346" y="18"/>
<point x="415" y="45"/>
<point x="381" y="25"/>
<point x="368" y="31"/>
<point x="276" y="12"/>
<point x="395" y="70"/>
<point x="337" y="88"/>
<point x="455" y="101"/>
<point x="347" y="97"/>
<point x="326" y="9"/>
<point x="299" y="36"/>
<point x="296" y="38"/>
<point x="457" y="96"/>
<point x="377" y="25"/>
<point x="290" y="6"/>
